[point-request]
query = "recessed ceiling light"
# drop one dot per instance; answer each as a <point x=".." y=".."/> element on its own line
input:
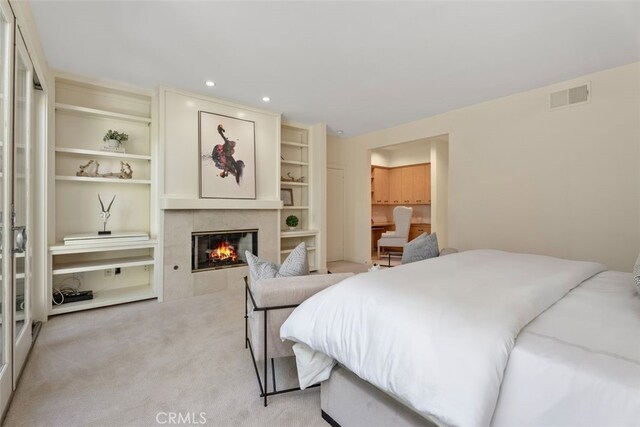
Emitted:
<point x="340" y="132"/>
<point x="266" y="99"/>
<point x="210" y="83"/>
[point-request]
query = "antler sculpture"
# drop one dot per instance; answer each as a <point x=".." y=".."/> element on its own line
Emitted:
<point x="105" y="214"/>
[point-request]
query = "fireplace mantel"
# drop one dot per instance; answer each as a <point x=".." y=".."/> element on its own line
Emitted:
<point x="168" y="203"/>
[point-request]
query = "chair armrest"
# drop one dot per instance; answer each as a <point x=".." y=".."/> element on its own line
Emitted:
<point x="448" y="251"/>
<point x="274" y="301"/>
<point x="292" y="290"/>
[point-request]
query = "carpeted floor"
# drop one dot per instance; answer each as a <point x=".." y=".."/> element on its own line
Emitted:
<point x="123" y="365"/>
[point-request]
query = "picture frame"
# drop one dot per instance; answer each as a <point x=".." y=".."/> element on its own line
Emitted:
<point x="227" y="152"/>
<point x="286" y="195"/>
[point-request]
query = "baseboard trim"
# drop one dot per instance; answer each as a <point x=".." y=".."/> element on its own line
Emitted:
<point x="329" y="420"/>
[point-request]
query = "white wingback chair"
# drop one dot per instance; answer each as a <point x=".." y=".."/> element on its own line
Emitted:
<point x="399" y="237"/>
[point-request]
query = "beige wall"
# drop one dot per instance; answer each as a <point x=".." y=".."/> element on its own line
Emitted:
<point x="440" y="190"/>
<point x="380" y="158"/>
<point x="523" y="178"/>
<point x="411" y="154"/>
<point x="179" y="121"/>
<point x="407" y="154"/>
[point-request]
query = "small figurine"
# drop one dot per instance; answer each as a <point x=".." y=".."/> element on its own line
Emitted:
<point x="291" y="178"/>
<point x="104" y="215"/>
<point x="125" y="171"/>
<point x="84" y="169"/>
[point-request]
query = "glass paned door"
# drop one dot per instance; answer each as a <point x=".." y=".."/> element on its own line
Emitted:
<point x="23" y="92"/>
<point x="6" y="124"/>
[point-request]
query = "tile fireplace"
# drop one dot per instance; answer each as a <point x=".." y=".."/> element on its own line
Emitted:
<point x="213" y="250"/>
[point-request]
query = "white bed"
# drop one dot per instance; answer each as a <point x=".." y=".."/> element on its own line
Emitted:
<point x="578" y="363"/>
<point x="442" y="349"/>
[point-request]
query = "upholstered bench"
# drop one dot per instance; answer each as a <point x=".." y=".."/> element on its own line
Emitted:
<point x="269" y="302"/>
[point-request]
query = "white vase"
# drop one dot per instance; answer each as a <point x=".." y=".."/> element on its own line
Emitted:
<point x="113" y="143"/>
<point x="292" y="228"/>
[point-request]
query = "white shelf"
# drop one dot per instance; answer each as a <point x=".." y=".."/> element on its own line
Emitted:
<point x="62" y="249"/>
<point x="295" y="144"/>
<point x="100" y="153"/>
<point x="103" y="264"/>
<point x="102" y="113"/>
<point x="296" y="208"/>
<point x="300" y="233"/>
<point x="102" y="180"/>
<point x="293" y="184"/>
<point x="293" y="162"/>
<point x="102" y="298"/>
<point x="287" y="251"/>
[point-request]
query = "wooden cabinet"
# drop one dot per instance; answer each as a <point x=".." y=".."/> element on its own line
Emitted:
<point x="380" y="186"/>
<point x="395" y="186"/>
<point x="421" y="184"/>
<point x="405" y="185"/>
<point x="416" y="184"/>
<point x="417" y="229"/>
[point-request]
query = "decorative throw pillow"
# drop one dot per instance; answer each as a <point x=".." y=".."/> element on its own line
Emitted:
<point x="636" y="273"/>
<point x="422" y="247"/>
<point x="296" y="264"/>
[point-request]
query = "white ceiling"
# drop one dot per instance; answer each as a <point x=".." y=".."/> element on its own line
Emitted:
<point x="357" y="66"/>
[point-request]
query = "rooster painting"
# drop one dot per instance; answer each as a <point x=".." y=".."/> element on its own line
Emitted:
<point x="222" y="156"/>
<point x="227" y="157"/>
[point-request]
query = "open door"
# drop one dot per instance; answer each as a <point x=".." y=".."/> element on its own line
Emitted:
<point x="6" y="120"/>
<point x="21" y="215"/>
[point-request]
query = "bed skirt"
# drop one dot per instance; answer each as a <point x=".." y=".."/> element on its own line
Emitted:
<point x="348" y="401"/>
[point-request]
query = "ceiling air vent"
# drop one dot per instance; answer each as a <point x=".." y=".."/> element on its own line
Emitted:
<point x="575" y="95"/>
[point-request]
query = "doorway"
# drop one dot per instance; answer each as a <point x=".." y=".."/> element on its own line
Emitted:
<point x="17" y="83"/>
<point x="410" y="175"/>
<point x="335" y="214"/>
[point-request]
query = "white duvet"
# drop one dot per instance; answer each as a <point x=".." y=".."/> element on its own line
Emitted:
<point x="434" y="334"/>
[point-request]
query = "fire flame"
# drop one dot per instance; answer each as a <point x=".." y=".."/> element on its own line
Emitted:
<point x="224" y="252"/>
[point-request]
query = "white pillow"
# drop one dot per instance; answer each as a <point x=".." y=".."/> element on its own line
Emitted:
<point x="422" y="247"/>
<point x="296" y="264"/>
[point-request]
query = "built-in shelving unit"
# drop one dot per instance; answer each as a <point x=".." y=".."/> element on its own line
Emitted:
<point x="98" y="153"/>
<point x="292" y="162"/>
<point x="101" y="113"/>
<point x="105" y="264"/>
<point x="116" y="272"/>
<point x="298" y="233"/>
<point x="296" y="161"/>
<point x="103" y="180"/>
<point x="288" y="251"/>
<point x="293" y="184"/>
<point x="107" y="297"/>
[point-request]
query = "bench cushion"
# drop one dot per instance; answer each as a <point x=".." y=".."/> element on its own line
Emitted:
<point x="276" y="292"/>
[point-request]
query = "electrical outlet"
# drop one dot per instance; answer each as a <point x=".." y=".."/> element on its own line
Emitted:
<point x="108" y="272"/>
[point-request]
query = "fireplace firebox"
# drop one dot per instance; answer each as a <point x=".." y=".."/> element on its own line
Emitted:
<point x="212" y="250"/>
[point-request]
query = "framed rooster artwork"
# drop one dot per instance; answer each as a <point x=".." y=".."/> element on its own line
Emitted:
<point x="227" y="157"/>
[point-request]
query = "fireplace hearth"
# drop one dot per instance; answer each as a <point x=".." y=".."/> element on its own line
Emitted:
<point x="213" y="250"/>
